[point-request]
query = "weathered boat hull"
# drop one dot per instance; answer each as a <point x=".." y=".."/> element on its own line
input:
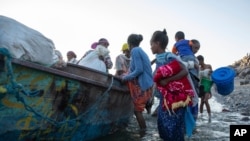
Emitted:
<point x="74" y="103"/>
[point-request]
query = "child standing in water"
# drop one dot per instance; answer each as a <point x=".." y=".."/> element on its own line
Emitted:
<point x="205" y="77"/>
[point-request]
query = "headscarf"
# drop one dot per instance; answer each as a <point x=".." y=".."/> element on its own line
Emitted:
<point x="71" y="53"/>
<point x="102" y="40"/>
<point x="93" y="45"/>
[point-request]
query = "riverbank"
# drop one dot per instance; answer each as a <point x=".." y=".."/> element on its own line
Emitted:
<point x="239" y="99"/>
<point x="232" y="109"/>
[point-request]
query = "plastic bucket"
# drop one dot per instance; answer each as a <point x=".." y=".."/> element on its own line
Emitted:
<point x="224" y="80"/>
<point x="207" y="84"/>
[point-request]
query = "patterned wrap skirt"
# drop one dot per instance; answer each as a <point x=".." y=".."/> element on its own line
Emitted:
<point x="140" y="98"/>
<point x="171" y="127"/>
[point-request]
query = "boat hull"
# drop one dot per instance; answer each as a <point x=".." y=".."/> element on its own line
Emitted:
<point x="74" y="103"/>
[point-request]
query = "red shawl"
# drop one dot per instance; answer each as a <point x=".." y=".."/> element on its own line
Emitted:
<point x="176" y="93"/>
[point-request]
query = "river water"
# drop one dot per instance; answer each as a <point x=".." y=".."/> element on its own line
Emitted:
<point x="218" y="129"/>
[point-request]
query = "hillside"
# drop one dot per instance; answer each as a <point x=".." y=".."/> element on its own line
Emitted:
<point x="239" y="99"/>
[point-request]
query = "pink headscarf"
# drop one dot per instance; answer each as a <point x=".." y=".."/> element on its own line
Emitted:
<point x="93" y="46"/>
<point x="102" y="40"/>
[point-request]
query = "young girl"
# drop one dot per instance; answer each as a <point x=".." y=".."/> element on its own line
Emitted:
<point x="170" y="122"/>
<point x="205" y="77"/>
<point x="140" y="78"/>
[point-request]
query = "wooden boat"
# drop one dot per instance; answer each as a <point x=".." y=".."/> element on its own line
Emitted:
<point x="73" y="103"/>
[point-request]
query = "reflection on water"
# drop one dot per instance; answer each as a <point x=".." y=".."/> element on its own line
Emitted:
<point x="217" y="129"/>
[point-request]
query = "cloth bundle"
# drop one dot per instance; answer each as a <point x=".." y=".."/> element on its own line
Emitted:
<point x="92" y="60"/>
<point x="176" y="93"/>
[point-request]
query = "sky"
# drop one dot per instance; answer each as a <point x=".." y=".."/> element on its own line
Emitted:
<point x="221" y="26"/>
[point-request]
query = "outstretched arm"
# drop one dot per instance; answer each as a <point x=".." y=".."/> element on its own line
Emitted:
<point x="137" y="64"/>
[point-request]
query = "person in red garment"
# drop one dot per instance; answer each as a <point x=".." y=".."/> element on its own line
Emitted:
<point x="174" y="88"/>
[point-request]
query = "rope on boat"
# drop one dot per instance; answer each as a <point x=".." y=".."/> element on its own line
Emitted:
<point x="13" y="86"/>
<point x="93" y="108"/>
<point x="16" y="88"/>
<point x="57" y="123"/>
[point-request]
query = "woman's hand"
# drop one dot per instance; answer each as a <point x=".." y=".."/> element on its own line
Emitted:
<point x="122" y="78"/>
<point x="164" y="82"/>
<point x="165" y="103"/>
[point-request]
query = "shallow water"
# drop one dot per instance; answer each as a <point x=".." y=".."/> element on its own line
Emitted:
<point x="217" y="129"/>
